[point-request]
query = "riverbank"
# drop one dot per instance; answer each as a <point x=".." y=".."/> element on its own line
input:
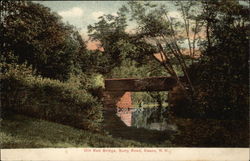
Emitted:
<point x="18" y="131"/>
<point x="211" y="133"/>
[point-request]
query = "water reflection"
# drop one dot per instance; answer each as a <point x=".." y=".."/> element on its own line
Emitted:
<point x="144" y="125"/>
<point x="147" y="118"/>
<point x="125" y="115"/>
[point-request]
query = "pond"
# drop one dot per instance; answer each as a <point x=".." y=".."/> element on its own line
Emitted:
<point x="141" y="124"/>
<point x="148" y="118"/>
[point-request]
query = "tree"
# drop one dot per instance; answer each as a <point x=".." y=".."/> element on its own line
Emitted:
<point x="95" y="62"/>
<point x="118" y="45"/>
<point x="223" y="75"/>
<point x="109" y="31"/>
<point x="32" y="33"/>
<point x="166" y="33"/>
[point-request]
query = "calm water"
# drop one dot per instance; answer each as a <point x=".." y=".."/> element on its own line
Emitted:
<point x="147" y="125"/>
<point x="148" y="118"/>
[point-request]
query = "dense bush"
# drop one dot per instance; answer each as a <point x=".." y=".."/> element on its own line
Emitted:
<point x="63" y="102"/>
<point x="221" y="96"/>
<point x="211" y="133"/>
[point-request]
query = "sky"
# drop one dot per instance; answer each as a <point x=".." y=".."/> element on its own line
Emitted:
<point x="83" y="13"/>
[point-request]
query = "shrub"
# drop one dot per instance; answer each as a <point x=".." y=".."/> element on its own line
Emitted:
<point x="62" y="102"/>
<point x="219" y="94"/>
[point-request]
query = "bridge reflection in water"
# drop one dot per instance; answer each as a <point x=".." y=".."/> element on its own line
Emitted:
<point x="144" y="125"/>
<point x="125" y="115"/>
<point x="141" y="124"/>
<point x="148" y="118"/>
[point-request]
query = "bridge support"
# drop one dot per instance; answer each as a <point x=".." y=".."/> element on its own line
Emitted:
<point x="113" y="99"/>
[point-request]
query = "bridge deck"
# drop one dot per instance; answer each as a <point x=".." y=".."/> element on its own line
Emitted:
<point x="140" y="84"/>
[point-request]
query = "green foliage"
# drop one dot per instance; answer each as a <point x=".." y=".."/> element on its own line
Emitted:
<point x="63" y="102"/>
<point x="32" y="33"/>
<point x="37" y="133"/>
<point x="97" y="81"/>
<point x="109" y="30"/>
<point x="223" y="84"/>
<point x="118" y="44"/>
<point x="132" y="69"/>
<point x="211" y="133"/>
<point x="167" y="34"/>
<point x="128" y="69"/>
<point x="149" y="99"/>
<point x="96" y="62"/>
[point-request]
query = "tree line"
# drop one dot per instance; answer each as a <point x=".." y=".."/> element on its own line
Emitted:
<point x="207" y="45"/>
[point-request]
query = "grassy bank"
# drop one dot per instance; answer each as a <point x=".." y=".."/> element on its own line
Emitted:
<point x="18" y="131"/>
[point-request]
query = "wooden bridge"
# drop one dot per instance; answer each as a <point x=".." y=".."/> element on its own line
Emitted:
<point x="118" y="91"/>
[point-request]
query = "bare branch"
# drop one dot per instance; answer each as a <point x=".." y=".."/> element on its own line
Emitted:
<point x="186" y="24"/>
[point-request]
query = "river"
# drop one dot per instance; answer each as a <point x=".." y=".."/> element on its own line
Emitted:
<point x="148" y="125"/>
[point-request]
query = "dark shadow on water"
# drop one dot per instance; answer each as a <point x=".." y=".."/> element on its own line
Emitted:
<point x="118" y="129"/>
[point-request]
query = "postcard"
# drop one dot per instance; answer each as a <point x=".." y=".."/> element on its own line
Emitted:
<point x="124" y="80"/>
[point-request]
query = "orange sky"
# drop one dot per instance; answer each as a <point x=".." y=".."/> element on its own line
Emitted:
<point x="94" y="45"/>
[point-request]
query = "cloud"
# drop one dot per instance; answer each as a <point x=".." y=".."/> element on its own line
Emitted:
<point x="174" y="14"/>
<point x="97" y="14"/>
<point x="83" y="33"/>
<point x="73" y="12"/>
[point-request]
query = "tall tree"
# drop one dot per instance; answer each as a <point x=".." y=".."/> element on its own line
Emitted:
<point x="109" y="31"/>
<point x="167" y="34"/>
<point x="224" y="74"/>
<point x="118" y="44"/>
<point x="32" y="33"/>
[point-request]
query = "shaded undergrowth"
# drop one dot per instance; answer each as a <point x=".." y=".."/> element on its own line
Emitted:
<point x="18" y="131"/>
